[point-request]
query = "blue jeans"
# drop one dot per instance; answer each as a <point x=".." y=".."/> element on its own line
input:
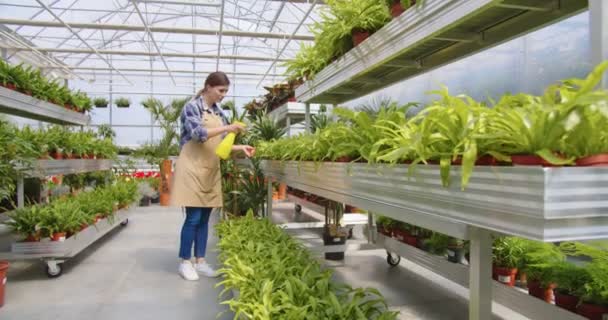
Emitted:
<point x="195" y="229"/>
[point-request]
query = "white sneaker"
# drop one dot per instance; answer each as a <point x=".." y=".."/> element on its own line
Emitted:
<point x="186" y="270"/>
<point x="206" y="270"/>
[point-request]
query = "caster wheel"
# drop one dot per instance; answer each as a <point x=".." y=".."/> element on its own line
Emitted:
<point x="124" y="223"/>
<point x="54" y="271"/>
<point x="393" y="260"/>
<point x="298" y="208"/>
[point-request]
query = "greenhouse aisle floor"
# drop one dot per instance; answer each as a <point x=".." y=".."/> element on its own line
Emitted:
<point x="132" y="273"/>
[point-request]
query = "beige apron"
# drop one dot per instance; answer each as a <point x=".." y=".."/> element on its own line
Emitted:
<point x="197" y="181"/>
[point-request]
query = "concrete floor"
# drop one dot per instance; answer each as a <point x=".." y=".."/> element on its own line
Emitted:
<point x="132" y="273"/>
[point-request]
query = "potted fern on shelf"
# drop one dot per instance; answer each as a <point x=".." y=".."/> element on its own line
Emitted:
<point x="570" y="280"/>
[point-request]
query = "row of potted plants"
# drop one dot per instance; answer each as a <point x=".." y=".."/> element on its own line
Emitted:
<point x="67" y="216"/>
<point x="30" y="81"/>
<point x="58" y="142"/>
<point x="455" y="250"/>
<point x="565" y="126"/>
<point x="544" y="269"/>
<point x="276" y="278"/>
<point x="344" y="24"/>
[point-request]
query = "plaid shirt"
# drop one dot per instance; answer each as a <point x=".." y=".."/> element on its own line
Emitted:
<point x="191" y="120"/>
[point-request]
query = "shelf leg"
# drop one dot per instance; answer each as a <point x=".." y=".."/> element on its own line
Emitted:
<point x="269" y="199"/>
<point x="480" y="275"/>
<point x="288" y="125"/>
<point x="598" y="16"/>
<point x="307" y="117"/>
<point x="370" y="228"/>
<point x="20" y="193"/>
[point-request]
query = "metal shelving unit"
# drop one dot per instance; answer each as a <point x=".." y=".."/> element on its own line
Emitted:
<point x="43" y="168"/>
<point x="22" y="105"/>
<point x="512" y="298"/>
<point x="291" y="113"/>
<point x="54" y="253"/>
<point x="421" y="39"/>
<point x="547" y="204"/>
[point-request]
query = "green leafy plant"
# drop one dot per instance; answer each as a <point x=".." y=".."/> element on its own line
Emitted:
<point x="277" y="279"/>
<point x="508" y="252"/>
<point x="122" y="102"/>
<point x="101" y="102"/>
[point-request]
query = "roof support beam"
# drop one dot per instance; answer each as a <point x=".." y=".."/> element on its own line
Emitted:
<point x="143" y="20"/>
<point x="66" y="25"/>
<point x="144" y="53"/>
<point x="96" y="26"/>
<point x="312" y="6"/>
<point x="219" y="43"/>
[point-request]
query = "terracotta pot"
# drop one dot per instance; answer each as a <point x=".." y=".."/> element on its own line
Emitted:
<point x="598" y="160"/>
<point x="399" y="234"/>
<point x="57" y="155"/>
<point x="485" y="160"/>
<point x="11" y="86"/>
<point x="396" y="9"/>
<point x="593" y="311"/>
<point x="531" y="160"/>
<point x="505" y="275"/>
<point x="282" y="191"/>
<point x="32" y="238"/>
<point x="534" y="289"/>
<point x="3" y="271"/>
<point x="343" y="159"/>
<point x="292" y="99"/>
<point x="165" y="182"/>
<point x="359" y="36"/>
<point x="566" y="301"/>
<point x="83" y="226"/>
<point x="58" y="236"/>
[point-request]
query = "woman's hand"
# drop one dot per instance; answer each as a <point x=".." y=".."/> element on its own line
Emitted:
<point x="235" y="127"/>
<point x="249" y="151"/>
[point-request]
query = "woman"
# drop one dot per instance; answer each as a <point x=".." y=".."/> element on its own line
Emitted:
<point x="197" y="184"/>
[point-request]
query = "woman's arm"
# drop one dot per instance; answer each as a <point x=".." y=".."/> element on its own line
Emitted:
<point x="248" y="150"/>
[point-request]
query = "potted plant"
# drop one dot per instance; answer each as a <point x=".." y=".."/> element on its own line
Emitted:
<point x="594" y="304"/>
<point x="333" y="233"/>
<point x="571" y="280"/>
<point x="537" y="266"/>
<point x="507" y="255"/>
<point x="397" y="7"/>
<point x="456" y="250"/>
<point x="147" y="192"/>
<point x="122" y="102"/>
<point x="158" y="153"/>
<point x="63" y="216"/>
<point x="101" y="102"/>
<point x="25" y="222"/>
<point x="437" y="243"/>
<point x="358" y="19"/>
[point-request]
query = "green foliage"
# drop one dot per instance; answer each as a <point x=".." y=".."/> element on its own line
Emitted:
<point x="105" y="131"/>
<point x="167" y="117"/>
<point x="570" y="278"/>
<point x="15" y="151"/>
<point x="278" y="279"/>
<point x="101" y="102"/>
<point x="508" y="252"/>
<point x="68" y="214"/>
<point x="122" y="102"/>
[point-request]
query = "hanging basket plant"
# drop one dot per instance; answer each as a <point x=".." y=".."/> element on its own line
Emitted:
<point x="100" y="102"/>
<point x="123" y="102"/>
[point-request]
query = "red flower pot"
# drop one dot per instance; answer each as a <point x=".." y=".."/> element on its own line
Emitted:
<point x="57" y="155"/>
<point x="396" y="9"/>
<point x="58" y="236"/>
<point x="598" y="160"/>
<point x="3" y="271"/>
<point x="344" y="159"/>
<point x="11" y="86"/>
<point x="32" y="238"/>
<point x="566" y="301"/>
<point x="292" y="99"/>
<point x="531" y="160"/>
<point x="504" y="275"/>
<point x="534" y="289"/>
<point x="485" y="160"/>
<point x="400" y="234"/>
<point x="359" y="36"/>
<point x="593" y="311"/>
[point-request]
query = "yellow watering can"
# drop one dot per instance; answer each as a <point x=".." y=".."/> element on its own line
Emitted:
<point x="224" y="148"/>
